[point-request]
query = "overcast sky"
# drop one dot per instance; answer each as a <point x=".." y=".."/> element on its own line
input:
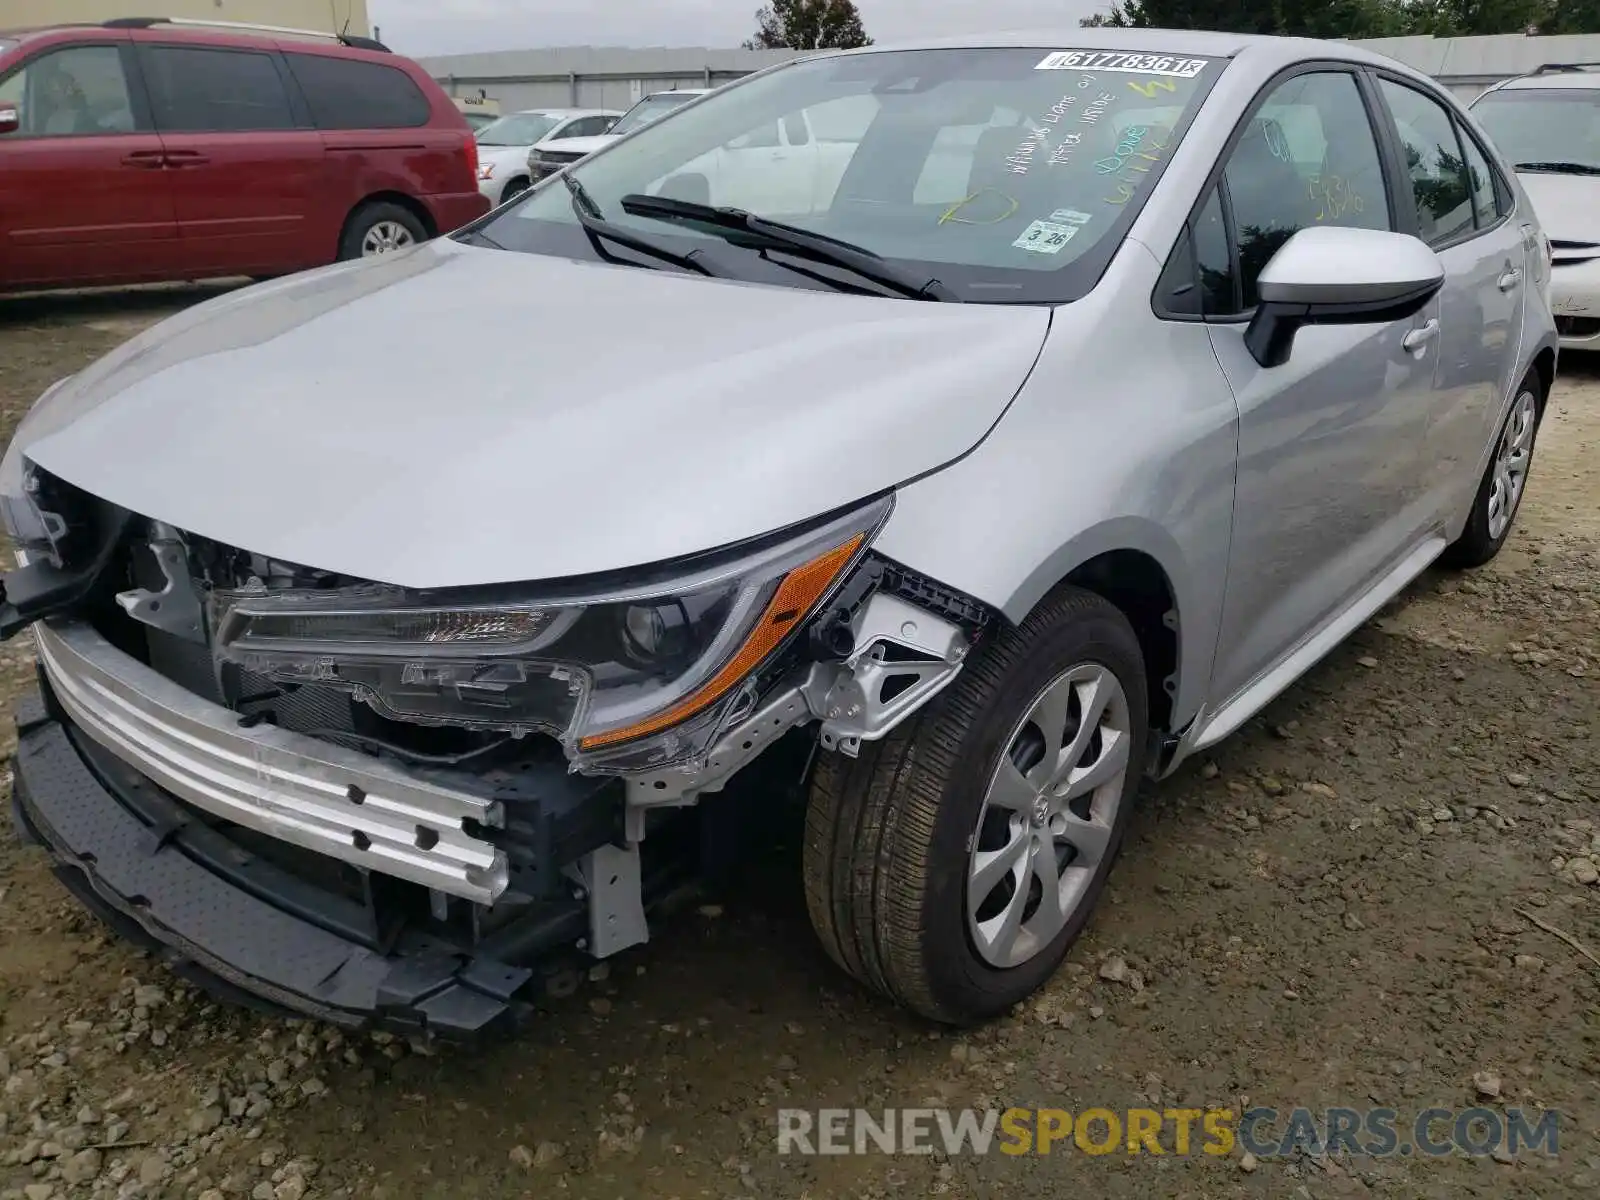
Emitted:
<point x="422" y="27"/>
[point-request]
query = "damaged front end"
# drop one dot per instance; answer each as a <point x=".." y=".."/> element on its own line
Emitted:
<point x="380" y="805"/>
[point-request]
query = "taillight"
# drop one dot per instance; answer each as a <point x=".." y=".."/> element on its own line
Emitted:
<point x="472" y="157"/>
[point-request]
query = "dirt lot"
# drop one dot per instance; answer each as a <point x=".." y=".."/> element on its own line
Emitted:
<point x="1342" y="907"/>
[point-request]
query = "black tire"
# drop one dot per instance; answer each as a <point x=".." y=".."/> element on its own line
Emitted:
<point x="514" y="189"/>
<point x="887" y="834"/>
<point x="368" y="217"/>
<point x="1477" y="545"/>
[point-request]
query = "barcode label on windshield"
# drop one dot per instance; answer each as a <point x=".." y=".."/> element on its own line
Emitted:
<point x="1134" y="64"/>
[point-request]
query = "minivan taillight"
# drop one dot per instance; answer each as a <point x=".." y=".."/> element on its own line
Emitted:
<point x="472" y="158"/>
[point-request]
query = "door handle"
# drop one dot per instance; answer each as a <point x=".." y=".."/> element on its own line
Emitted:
<point x="1417" y="340"/>
<point x="150" y="160"/>
<point x="186" y="158"/>
<point x="1510" y="279"/>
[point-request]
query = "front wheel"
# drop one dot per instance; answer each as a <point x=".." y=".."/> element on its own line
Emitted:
<point x="952" y="865"/>
<point x="1494" y="508"/>
<point x="514" y="189"/>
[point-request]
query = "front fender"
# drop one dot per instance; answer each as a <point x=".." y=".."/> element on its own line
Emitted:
<point x="1125" y="437"/>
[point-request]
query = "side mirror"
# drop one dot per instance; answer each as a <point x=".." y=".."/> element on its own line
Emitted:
<point x="1332" y="275"/>
<point x="10" y="119"/>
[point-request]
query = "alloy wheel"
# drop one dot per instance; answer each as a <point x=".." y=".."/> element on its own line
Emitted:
<point x="1048" y="816"/>
<point x="1512" y="458"/>
<point x="385" y="236"/>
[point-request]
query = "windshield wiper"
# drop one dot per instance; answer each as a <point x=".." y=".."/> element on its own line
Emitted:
<point x="778" y="235"/>
<point x="596" y="226"/>
<point x="1557" y="167"/>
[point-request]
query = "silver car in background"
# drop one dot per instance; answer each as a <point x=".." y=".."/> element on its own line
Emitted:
<point x="1548" y="125"/>
<point x="1087" y="389"/>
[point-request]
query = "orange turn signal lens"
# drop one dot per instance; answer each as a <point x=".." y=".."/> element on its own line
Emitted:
<point x="796" y="596"/>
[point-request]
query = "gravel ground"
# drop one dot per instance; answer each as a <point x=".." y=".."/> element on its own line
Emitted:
<point x="1353" y="902"/>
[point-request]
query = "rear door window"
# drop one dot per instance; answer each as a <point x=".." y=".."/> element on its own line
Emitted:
<point x="1434" y="161"/>
<point x="203" y="89"/>
<point x="348" y="93"/>
<point x="1485" y="196"/>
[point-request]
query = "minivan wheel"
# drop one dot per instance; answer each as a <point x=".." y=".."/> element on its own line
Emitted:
<point x="1505" y="481"/>
<point x="378" y="229"/>
<point x="952" y="865"/>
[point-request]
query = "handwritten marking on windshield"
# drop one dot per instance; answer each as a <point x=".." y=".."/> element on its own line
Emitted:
<point x="1149" y="89"/>
<point x="1063" y="152"/>
<point x="1020" y="159"/>
<point x="1096" y="108"/>
<point x="1131" y="138"/>
<point x="1138" y="162"/>
<point x="949" y="214"/>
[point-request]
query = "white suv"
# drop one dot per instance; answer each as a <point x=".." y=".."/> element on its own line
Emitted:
<point x="544" y="161"/>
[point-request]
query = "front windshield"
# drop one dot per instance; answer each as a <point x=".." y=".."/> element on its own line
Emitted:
<point x="519" y="129"/>
<point x="1544" y="125"/>
<point x="1010" y="175"/>
<point x="651" y="108"/>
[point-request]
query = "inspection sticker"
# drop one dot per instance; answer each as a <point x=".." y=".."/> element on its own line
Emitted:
<point x="1133" y="64"/>
<point x="1070" y="216"/>
<point x="1046" y="237"/>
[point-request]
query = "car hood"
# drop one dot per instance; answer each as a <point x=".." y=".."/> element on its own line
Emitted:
<point x="451" y="415"/>
<point x="579" y="145"/>
<point x="1568" y="206"/>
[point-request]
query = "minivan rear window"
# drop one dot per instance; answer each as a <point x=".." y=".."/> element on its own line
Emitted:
<point x="348" y="93"/>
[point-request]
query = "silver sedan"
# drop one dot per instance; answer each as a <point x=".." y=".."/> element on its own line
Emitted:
<point x="993" y="423"/>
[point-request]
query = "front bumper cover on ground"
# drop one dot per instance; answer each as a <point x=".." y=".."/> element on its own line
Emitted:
<point x="228" y="924"/>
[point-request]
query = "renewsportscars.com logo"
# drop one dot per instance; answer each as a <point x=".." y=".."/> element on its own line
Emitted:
<point x="1262" y="1132"/>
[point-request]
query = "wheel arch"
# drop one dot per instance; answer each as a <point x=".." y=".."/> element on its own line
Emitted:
<point x="1544" y="365"/>
<point x="1136" y="566"/>
<point x="410" y="203"/>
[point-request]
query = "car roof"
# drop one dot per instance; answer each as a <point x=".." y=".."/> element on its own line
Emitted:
<point x="201" y="33"/>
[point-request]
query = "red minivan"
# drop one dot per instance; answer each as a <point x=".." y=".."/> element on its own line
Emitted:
<point x="148" y="149"/>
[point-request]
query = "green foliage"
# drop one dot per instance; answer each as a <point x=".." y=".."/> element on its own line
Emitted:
<point x="809" y="25"/>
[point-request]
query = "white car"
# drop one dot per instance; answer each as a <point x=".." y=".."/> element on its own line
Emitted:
<point x="504" y="145"/>
<point x="1548" y="125"/>
<point x="544" y="161"/>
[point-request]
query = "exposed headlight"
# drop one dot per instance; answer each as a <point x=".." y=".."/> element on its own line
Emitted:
<point x="34" y="530"/>
<point x="600" y="670"/>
